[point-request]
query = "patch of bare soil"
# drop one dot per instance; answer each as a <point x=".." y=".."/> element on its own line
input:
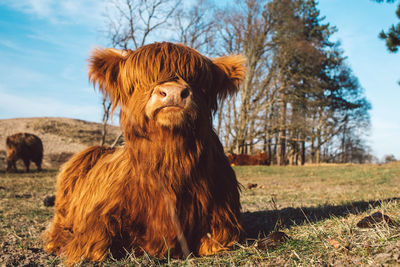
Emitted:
<point x="61" y="137"/>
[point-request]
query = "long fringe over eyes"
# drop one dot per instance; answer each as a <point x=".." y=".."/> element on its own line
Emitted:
<point x="161" y="62"/>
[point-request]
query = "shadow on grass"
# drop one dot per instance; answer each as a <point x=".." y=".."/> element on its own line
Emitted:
<point x="260" y="223"/>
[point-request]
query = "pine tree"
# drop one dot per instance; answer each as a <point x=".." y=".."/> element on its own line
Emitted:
<point x="392" y="36"/>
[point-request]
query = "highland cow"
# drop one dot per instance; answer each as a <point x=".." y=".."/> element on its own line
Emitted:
<point x="25" y="146"/>
<point x="170" y="189"/>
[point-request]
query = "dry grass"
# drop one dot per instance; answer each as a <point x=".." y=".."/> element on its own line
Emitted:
<point x="311" y="186"/>
<point x="318" y="207"/>
<point x="23" y="217"/>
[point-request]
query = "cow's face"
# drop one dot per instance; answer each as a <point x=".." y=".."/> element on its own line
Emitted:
<point x="167" y="84"/>
<point x="11" y="155"/>
<point x="11" y="152"/>
<point x="171" y="104"/>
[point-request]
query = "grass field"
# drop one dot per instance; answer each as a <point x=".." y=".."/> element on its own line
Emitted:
<point x="317" y="207"/>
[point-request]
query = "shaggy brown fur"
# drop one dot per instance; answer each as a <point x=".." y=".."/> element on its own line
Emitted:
<point x="244" y="159"/>
<point x="170" y="189"/>
<point x="25" y="146"/>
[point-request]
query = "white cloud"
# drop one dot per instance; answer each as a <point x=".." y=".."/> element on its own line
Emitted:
<point x="13" y="106"/>
<point x="20" y="76"/>
<point x="11" y="45"/>
<point x="64" y="12"/>
<point x="41" y="8"/>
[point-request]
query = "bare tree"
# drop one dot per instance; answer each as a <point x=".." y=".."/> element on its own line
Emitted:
<point x="296" y="101"/>
<point x="246" y="28"/>
<point x="195" y="26"/>
<point x="132" y="24"/>
<point x="106" y="116"/>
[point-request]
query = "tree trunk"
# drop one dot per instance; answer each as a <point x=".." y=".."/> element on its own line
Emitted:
<point x="106" y="115"/>
<point x="312" y="148"/>
<point x="318" y="150"/>
<point x="282" y="130"/>
<point x="302" y="151"/>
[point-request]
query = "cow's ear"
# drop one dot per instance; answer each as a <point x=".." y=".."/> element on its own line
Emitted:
<point x="107" y="70"/>
<point x="230" y="72"/>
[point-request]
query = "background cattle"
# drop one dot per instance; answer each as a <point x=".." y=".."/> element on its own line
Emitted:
<point x="25" y="146"/>
<point x="169" y="190"/>
<point x="244" y="159"/>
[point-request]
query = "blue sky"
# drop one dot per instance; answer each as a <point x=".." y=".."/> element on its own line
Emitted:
<point x="44" y="46"/>
<point x="359" y="23"/>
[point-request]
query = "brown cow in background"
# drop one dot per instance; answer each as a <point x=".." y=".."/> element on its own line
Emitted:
<point x="25" y="146"/>
<point x="244" y="159"/>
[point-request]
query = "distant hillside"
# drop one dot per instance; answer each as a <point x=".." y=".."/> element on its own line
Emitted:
<point x="61" y="137"/>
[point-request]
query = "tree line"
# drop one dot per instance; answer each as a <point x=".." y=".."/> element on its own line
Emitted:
<point x="300" y="101"/>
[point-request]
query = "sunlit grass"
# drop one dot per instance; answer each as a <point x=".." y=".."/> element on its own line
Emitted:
<point x="318" y="207"/>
